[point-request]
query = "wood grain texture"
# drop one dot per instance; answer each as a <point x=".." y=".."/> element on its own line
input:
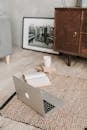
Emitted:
<point x="70" y="28"/>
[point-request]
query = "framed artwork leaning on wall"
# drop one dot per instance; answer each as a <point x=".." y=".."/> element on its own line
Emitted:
<point x="38" y="34"/>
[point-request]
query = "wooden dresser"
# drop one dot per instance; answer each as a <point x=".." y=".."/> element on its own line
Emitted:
<point x="71" y="31"/>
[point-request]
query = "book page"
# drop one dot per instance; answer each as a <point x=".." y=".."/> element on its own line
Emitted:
<point x="37" y="79"/>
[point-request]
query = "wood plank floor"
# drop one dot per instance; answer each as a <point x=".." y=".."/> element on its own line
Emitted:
<point x="22" y="60"/>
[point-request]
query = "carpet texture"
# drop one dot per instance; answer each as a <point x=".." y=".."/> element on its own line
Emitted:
<point x="72" y="115"/>
<point x="5" y="95"/>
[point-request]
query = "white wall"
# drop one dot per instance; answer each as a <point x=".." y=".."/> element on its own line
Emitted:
<point x="5" y="7"/>
<point x="84" y="3"/>
<point x="29" y="8"/>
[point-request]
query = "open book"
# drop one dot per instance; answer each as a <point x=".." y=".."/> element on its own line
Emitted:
<point x="37" y="79"/>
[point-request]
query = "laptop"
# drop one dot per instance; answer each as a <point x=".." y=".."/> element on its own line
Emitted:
<point x="40" y="100"/>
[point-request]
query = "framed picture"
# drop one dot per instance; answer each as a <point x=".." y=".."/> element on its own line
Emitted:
<point x="78" y="3"/>
<point x="38" y="34"/>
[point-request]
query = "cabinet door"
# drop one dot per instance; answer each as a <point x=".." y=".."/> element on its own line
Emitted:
<point x="83" y="43"/>
<point x="67" y="30"/>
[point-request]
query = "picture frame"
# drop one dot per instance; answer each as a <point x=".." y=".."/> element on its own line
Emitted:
<point x="38" y="34"/>
<point x="78" y="3"/>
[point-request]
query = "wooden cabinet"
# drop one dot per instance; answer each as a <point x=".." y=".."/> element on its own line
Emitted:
<point x="71" y="31"/>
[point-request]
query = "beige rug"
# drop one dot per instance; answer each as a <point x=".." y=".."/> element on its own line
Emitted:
<point x="72" y="115"/>
<point x="6" y="93"/>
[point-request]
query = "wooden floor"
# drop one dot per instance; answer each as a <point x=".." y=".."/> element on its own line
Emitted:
<point x="21" y="60"/>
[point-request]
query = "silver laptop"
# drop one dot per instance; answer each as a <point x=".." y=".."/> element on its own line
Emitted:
<point x="39" y="100"/>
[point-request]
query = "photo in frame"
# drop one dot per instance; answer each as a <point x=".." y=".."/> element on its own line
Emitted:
<point x="78" y="3"/>
<point x="38" y="34"/>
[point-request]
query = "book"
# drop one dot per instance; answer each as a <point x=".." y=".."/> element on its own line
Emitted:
<point x="37" y="79"/>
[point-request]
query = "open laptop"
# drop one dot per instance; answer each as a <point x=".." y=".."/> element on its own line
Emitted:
<point x="38" y="99"/>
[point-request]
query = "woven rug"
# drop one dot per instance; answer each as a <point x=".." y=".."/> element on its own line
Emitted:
<point x="6" y="92"/>
<point x="72" y="115"/>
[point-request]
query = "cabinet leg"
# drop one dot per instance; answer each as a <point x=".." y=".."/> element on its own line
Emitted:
<point x="69" y="60"/>
<point x="7" y="59"/>
<point x="59" y="54"/>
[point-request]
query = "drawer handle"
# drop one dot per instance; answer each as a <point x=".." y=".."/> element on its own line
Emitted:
<point x="75" y="34"/>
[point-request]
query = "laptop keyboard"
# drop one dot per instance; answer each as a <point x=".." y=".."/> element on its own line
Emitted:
<point x="47" y="106"/>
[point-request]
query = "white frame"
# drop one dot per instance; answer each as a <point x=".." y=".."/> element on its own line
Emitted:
<point x="36" y="21"/>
